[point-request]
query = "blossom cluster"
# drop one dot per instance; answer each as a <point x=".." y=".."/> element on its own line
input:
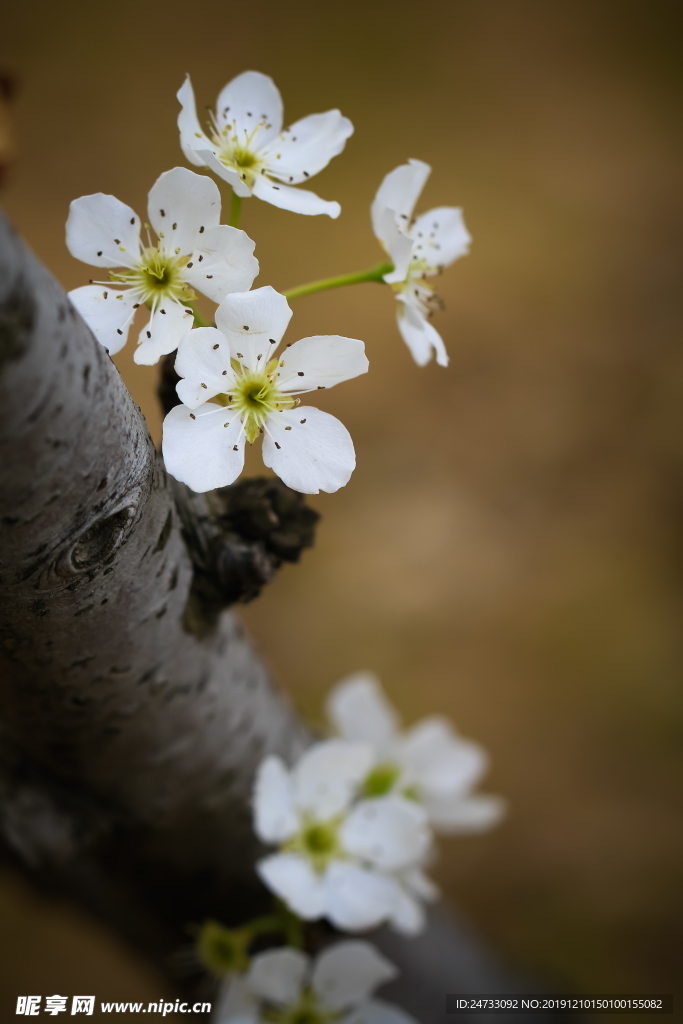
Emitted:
<point x="183" y="249"/>
<point x="353" y="821"/>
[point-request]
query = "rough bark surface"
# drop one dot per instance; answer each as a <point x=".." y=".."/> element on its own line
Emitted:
<point x="133" y="710"/>
<point x="106" y="689"/>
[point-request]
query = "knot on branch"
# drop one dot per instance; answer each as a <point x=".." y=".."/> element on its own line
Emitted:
<point x="238" y="537"/>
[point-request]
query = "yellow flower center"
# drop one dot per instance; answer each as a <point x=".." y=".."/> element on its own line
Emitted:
<point x="157" y="276"/>
<point x="236" y="150"/>
<point x="223" y="950"/>
<point x="318" y="841"/>
<point x="256" y="397"/>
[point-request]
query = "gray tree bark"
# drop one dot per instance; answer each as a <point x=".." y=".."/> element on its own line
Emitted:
<point x="133" y="710"/>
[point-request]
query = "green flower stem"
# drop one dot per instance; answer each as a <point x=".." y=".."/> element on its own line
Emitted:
<point x="266" y="925"/>
<point x="294" y="932"/>
<point x="235" y="210"/>
<point x="199" y="320"/>
<point x="375" y="273"/>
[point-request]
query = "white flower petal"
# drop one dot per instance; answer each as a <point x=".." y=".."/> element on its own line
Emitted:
<point x="199" y="450"/>
<point x="307" y="146"/>
<point x="236" y="1005"/>
<point x="293" y="879"/>
<point x="203" y="361"/>
<point x="398" y="245"/>
<point x="106" y="317"/>
<point x="321" y="362"/>
<point x="227" y="262"/>
<point x="326" y="778"/>
<point x="103" y="231"/>
<point x="473" y="814"/>
<point x="357" y="899"/>
<point x="348" y="973"/>
<point x="399" y="192"/>
<point x="191" y="134"/>
<point x="278" y="975"/>
<point x="248" y="100"/>
<point x="408" y="916"/>
<point x="297" y="200"/>
<point x="275" y="819"/>
<point x="440" y="236"/>
<point x="419" y="884"/>
<point x="389" y="831"/>
<point x="253" y="323"/>
<point x="419" y="335"/>
<point x="444" y="765"/>
<point x="359" y="711"/>
<point x="210" y="160"/>
<point x="163" y="332"/>
<point x="378" y="1012"/>
<point x="316" y="454"/>
<point x="181" y="206"/>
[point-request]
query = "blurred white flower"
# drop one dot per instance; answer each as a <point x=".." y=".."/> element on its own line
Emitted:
<point x="356" y="863"/>
<point x="193" y="251"/>
<point x="247" y="147"/>
<point x="256" y="392"/>
<point x="429" y="763"/>
<point x="283" y="986"/>
<point x="418" y="250"/>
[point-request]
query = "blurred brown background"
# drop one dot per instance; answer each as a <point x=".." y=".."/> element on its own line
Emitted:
<point x="508" y="549"/>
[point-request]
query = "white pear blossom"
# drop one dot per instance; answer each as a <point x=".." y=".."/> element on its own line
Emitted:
<point x="355" y="862"/>
<point x="193" y="251"/>
<point x="284" y="986"/>
<point x="429" y="763"/>
<point x="247" y="147"/>
<point x="234" y="388"/>
<point x="418" y="249"/>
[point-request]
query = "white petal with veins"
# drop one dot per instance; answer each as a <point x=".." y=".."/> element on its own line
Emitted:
<point x="297" y="200"/>
<point x="348" y="973"/>
<point x="109" y="318"/>
<point x="275" y="818"/>
<point x="203" y="361"/>
<point x="163" y="332"/>
<point x="192" y="136"/>
<point x="419" y="335"/>
<point x="357" y="899"/>
<point x="103" y="231"/>
<point x="327" y="777"/>
<point x="249" y="99"/>
<point x="253" y="323"/>
<point x="440" y="236"/>
<point x="315" y="454"/>
<point x="222" y="262"/>
<point x="399" y="192"/>
<point x="183" y="205"/>
<point x="321" y="362"/>
<point x="293" y="879"/>
<point x="388" y="831"/>
<point x="277" y="975"/>
<point x="359" y="711"/>
<point x="307" y="146"/>
<point x="199" y="450"/>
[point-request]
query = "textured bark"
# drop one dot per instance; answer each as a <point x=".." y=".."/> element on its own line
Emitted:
<point x="121" y="712"/>
<point x="133" y="711"/>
